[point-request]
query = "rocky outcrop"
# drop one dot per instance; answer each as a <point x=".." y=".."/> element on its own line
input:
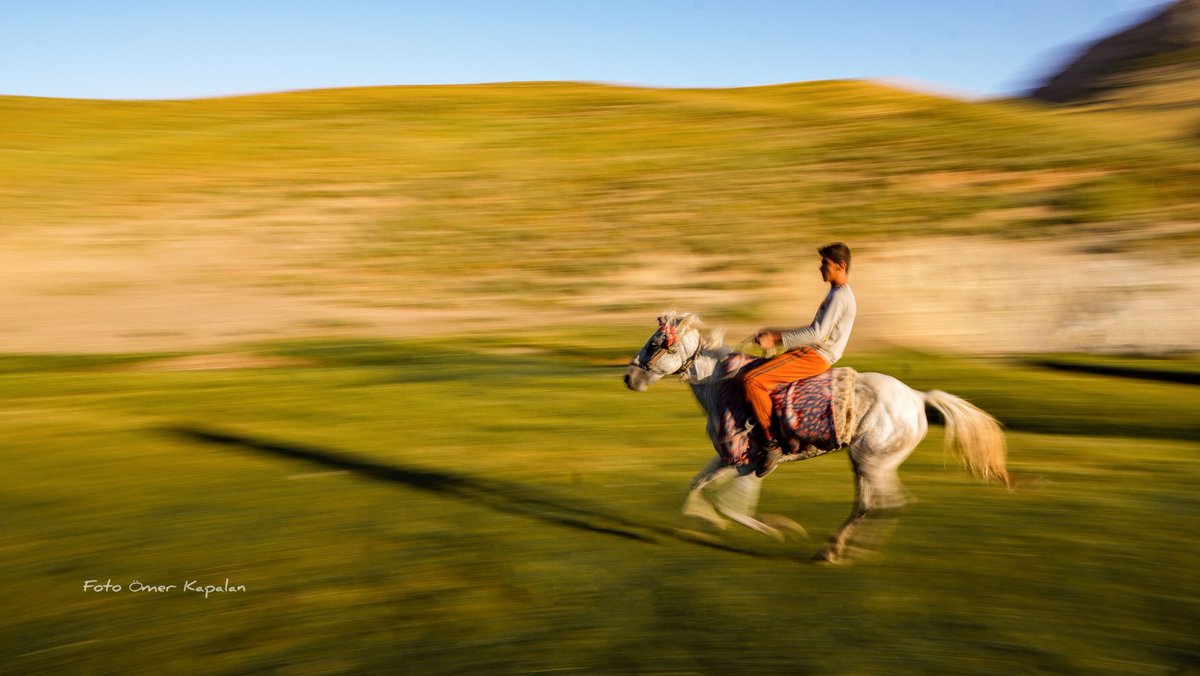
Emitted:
<point x="1165" y="47"/>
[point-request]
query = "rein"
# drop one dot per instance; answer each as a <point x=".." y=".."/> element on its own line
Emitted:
<point x="687" y="364"/>
<point x="753" y="340"/>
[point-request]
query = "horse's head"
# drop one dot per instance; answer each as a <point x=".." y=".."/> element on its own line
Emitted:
<point x="671" y="350"/>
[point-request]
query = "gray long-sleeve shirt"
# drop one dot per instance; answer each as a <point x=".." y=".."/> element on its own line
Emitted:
<point x="830" y="329"/>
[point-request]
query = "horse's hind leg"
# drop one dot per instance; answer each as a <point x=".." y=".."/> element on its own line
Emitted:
<point x="863" y="493"/>
<point x="879" y="495"/>
<point x="891" y="427"/>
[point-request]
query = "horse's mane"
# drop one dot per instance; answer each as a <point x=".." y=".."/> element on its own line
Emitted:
<point x="688" y="320"/>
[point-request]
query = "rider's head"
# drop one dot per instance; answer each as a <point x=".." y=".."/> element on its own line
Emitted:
<point x="835" y="262"/>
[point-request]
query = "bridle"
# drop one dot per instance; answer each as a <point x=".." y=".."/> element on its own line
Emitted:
<point x="666" y="345"/>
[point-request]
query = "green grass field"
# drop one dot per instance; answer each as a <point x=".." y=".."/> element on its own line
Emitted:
<point x="411" y="507"/>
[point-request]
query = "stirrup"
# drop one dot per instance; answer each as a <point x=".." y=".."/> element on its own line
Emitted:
<point x="771" y="455"/>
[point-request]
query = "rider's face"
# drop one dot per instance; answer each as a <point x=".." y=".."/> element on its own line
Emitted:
<point x="831" y="271"/>
<point x="826" y="269"/>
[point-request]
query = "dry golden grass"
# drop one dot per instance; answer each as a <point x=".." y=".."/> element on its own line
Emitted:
<point x="431" y="210"/>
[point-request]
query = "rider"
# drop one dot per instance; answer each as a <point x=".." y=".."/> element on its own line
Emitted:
<point x="810" y="351"/>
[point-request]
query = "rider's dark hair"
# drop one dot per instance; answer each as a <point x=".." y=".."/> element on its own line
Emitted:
<point x="836" y="252"/>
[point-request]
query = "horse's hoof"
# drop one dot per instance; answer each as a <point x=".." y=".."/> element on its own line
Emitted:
<point x="785" y="525"/>
<point x="774" y="535"/>
<point x="827" y="557"/>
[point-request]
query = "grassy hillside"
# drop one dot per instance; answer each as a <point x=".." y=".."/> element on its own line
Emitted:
<point x="450" y="190"/>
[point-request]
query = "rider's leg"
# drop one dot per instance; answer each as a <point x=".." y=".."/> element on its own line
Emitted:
<point x="787" y="367"/>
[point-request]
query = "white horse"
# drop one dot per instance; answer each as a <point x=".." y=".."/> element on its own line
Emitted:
<point x="890" y="423"/>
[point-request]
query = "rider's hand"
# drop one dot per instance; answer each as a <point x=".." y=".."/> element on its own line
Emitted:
<point x="767" y="339"/>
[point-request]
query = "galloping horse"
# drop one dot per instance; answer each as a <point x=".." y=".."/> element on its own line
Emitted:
<point x="890" y="424"/>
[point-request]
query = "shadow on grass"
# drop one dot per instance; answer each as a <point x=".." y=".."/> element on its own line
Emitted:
<point x="508" y="498"/>
<point x="1182" y="377"/>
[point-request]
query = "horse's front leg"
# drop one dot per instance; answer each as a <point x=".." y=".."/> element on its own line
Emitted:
<point x="738" y="500"/>
<point x="734" y="494"/>
<point x="697" y="505"/>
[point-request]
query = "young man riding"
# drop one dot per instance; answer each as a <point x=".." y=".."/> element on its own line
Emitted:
<point x="811" y="350"/>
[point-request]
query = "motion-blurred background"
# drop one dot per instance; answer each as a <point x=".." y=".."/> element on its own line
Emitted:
<point x="1065" y="220"/>
<point x="354" y="350"/>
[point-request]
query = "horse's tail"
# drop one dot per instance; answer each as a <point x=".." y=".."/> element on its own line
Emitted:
<point x="972" y="435"/>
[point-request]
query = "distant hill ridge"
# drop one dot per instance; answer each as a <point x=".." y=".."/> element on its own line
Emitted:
<point x="1154" y="63"/>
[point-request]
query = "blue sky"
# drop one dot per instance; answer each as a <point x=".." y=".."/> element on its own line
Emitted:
<point x="143" y="49"/>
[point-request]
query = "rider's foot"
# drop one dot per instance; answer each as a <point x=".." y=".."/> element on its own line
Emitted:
<point x="770" y="459"/>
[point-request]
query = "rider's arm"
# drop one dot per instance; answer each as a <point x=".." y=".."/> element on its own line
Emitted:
<point x="825" y="326"/>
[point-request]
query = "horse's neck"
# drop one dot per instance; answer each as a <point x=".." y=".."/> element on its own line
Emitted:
<point x="703" y="372"/>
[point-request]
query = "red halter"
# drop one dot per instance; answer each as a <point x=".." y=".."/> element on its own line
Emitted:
<point x="669" y="333"/>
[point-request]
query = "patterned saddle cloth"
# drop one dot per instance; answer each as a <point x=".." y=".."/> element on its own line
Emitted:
<point x="811" y="416"/>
